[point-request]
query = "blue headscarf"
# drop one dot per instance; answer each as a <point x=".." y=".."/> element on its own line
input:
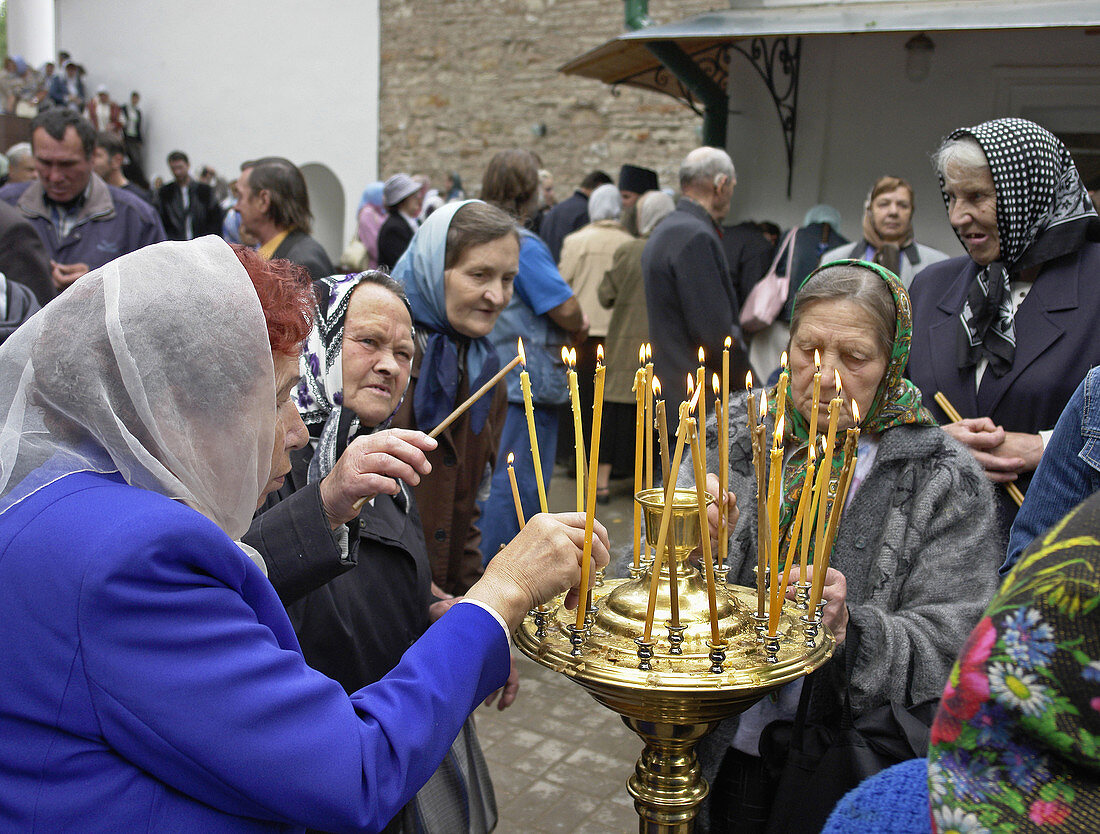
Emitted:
<point x="420" y="270"/>
<point x="371" y="194"/>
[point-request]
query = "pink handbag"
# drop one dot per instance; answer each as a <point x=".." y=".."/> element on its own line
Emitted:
<point x="769" y="295"/>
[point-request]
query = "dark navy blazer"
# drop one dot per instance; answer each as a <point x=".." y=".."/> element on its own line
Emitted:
<point x="152" y="682"/>
<point x="1057" y="342"/>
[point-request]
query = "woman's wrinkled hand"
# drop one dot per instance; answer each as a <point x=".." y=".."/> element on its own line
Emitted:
<point x="369" y="466"/>
<point x="509" y="691"/>
<point x="540" y="563"/>
<point x="835" y="594"/>
<point x="1002" y="454"/>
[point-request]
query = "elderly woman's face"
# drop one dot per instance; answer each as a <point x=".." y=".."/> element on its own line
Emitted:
<point x="290" y="431"/>
<point x="972" y="211"/>
<point x="843" y="333"/>
<point x="892" y="213"/>
<point x="479" y="285"/>
<point x="377" y="353"/>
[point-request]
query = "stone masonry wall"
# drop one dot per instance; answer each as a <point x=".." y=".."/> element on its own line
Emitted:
<point x="462" y="79"/>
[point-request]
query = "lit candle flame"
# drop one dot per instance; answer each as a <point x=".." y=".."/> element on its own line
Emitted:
<point x="702" y="356"/>
<point x="641" y="353"/>
<point x="777" y="439"/>
<point x="763" y="403"/>
<point x="817" y="360"/>
<point x="694" y="397"/>
<point x="599" y="354"/>
<point x="728" y="343"/>
<point x="813" y="455"/>
<point x="648" y="352"/>
<point x="716" y="385"/>
<point x="572" y="357"/>
<point x="855" y="412"/>
<point x="519" y="350"/>
<point x="511" y="458"/>
<point x="783" y="360"/>
<point x="565" y="355"/>
<point x="836" y="379"/>
<point x="748" y="381"/>
<point x="691" y="384"/>
<point x="656" y="388"/>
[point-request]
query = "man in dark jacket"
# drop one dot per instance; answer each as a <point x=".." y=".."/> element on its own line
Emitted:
<point x="187" y="208"/>
<point x="22" y="255"/>
<point x="689" y="294"/>
<point x="570" y="214"/>
<point x="274" y="207"/>
<point x="82" y="222"/>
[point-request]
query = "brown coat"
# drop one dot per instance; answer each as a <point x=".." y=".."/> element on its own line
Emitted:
<point x="623" y="291"/>
<point x="447" y="497"/>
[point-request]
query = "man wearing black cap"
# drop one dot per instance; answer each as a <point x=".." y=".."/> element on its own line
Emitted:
<point x="633" y="183"/>
<point x="570" y="214"/>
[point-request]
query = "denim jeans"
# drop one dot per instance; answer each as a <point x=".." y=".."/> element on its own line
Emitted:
<point x="1068" y="473"/>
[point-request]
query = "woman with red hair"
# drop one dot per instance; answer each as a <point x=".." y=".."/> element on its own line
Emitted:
<point x="153" y="681"/>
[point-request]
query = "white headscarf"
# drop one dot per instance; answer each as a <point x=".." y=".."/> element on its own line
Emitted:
<point x="157" y="366"/>
<point x="605" y="203"/>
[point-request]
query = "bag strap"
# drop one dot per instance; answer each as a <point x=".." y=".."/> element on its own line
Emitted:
<point x="785" y="246"/>
<point x="846" y="719"/>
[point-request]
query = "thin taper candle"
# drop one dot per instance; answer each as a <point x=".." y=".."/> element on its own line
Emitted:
<point x="590" y="513"/>
<point x="569" y="357"/>
<point x="662" y="429"/>
<point x="827" y="466"/>
<point x="775" y="488"/>
<point x="649" y="439"/>
<point x="529" y="408"/>
<point x="704" y="529"/>
<point x="515" y="490"/>
<point x="666" y="519"/>
<point x="639" y="442"/>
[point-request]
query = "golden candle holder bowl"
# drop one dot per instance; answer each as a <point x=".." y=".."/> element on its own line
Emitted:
<point x="679" y="699"/>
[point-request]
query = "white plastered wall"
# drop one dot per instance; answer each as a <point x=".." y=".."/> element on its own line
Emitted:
<point x="230" y="81"/>
<point x="859" y="117"/>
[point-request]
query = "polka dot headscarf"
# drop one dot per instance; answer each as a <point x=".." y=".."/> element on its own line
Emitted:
<point x="1038" y="186"/>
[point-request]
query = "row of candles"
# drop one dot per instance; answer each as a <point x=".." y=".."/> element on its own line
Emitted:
<point x="814" y="518"/>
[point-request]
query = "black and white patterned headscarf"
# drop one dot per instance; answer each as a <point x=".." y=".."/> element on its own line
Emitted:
<point x="1043" y="210"/>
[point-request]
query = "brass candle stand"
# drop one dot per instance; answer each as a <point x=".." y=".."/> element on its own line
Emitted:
<point x="672" y="700"/>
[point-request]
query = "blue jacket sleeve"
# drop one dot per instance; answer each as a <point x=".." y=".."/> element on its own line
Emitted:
<point x="1068" y="473"/>
<point x="195" y="676"/>
<point x="538" y="281"/>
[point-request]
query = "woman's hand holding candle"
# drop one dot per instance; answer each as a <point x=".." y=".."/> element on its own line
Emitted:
<point x="835" y="594"/>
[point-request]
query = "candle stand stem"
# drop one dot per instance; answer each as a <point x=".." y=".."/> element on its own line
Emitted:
<point x="667" y="784"/>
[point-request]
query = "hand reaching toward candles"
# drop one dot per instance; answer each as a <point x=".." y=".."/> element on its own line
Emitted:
<point x="369" y="466"/>
<point x="729" y="503"/>
<point x="538" y="564"/>
<point x="835" y="594"/>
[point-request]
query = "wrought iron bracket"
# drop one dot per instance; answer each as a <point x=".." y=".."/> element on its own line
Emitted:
<point x="777" y="64"/>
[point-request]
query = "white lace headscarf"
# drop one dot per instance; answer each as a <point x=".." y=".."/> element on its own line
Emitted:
<point x="157" y="366"/>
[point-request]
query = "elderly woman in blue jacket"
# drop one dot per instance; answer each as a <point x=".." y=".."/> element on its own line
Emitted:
<point x="153" y="681"/>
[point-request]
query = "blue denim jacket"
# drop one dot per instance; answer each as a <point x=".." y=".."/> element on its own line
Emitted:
<point x="1068" y="473"/>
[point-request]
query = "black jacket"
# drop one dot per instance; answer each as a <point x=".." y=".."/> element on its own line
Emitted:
<point x="305" y="251"/>
<point x="393" y="240"/>
<point x="353" y="619"/>
<point x="690" y="300"/>
<point x="203" y="209"/>
<point x="563" y="219"/>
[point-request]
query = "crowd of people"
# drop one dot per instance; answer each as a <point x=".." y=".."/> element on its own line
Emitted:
<point x="311" y="577"/>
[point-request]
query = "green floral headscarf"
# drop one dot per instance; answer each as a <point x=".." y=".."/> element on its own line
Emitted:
<point x="897" y="401"/>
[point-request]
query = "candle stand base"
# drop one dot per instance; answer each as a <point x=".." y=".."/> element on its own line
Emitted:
<point x="671" y="701"/>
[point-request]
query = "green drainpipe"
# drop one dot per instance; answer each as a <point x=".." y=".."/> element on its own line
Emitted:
<point x="700" y="85"/>
<point x="636" y="13"/>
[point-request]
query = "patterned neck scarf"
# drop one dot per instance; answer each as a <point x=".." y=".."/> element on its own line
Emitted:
<point x="420" y="270"/>
<point x="1043" y="210"/>
<point x="897" y="402"/>
<point x="320" y="393"/>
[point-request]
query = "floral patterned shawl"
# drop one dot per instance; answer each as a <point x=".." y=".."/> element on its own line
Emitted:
<point x="897" y="401"/>
<point x="1016" y="743"/>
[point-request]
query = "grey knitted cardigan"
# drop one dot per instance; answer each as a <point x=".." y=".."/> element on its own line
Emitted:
<point x="918" y="546"/>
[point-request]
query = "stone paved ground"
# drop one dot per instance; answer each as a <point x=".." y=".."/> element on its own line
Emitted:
<point x="559" y="760"/>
